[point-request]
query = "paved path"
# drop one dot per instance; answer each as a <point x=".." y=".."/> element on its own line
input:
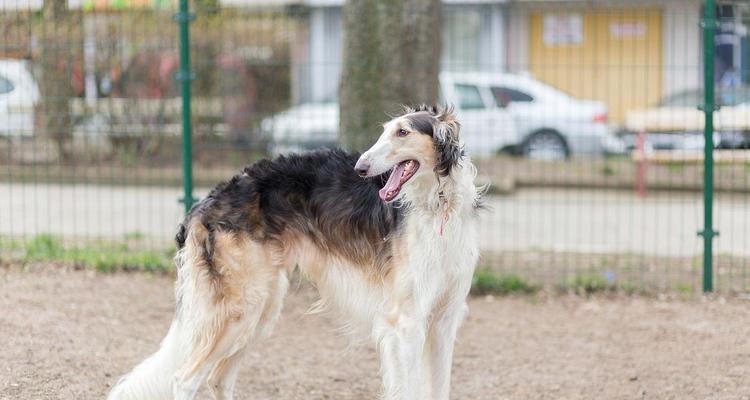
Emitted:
<point x="543" y="219"/>
<point x="615" y="222"/>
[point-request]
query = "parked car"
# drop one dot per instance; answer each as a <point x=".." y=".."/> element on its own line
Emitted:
<point x="549" y="123"/>
<point x="498" y="112"/>
<point x="18" y="95"/>
<point x="314" y="125"/>
<point x="304" y="127"/>
<point x="676" y="122"/>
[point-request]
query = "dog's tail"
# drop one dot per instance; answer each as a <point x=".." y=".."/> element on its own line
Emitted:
<point x="153" y="378"/>
<point x="200" y="325"/>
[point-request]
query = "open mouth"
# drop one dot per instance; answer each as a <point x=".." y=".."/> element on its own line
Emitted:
<point x="400" y="174"/>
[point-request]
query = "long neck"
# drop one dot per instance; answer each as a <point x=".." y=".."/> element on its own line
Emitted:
<point x="456" y="192"/>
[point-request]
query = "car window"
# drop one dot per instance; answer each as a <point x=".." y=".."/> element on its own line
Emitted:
<point x="6" y="86"/>
<point x="468" y="97"/>
<point x="504" y="96"/>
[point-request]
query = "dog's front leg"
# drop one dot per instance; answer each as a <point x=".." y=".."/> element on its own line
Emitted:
<point x="438" y="357"/>
<point x="401" y="344"/>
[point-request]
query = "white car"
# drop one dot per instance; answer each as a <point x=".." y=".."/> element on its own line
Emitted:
<point x="676" y="123"/>
<point x="497" y="112"/>
<point x="304" y="127"/>
<point x="485" y="130"/>
<point x="550" y="123"/>
<point x="18" y="95"/>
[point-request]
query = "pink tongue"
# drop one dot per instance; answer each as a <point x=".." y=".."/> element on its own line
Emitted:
<point x="393" y="184"/>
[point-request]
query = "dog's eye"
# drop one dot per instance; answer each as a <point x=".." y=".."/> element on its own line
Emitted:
<point x="402" y="133"/>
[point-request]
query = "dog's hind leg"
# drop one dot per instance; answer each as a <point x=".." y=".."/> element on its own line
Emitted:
<point x="224" y="375"/>
<point x="223" y="357"/>
<point x="225" y="293"/>
<point x="274" y="305"/>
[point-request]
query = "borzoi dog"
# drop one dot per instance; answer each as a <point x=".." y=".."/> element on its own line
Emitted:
<point x="394" y="254"/>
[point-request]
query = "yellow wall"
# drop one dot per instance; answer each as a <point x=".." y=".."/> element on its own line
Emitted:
<point x="623" y="70"/>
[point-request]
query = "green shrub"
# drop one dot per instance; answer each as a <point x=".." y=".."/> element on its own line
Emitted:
<point x="44" y="247"/>
<point x="487" y="282"/>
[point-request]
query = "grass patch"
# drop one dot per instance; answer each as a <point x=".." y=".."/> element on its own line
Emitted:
<point x="9" y="243"/>
<point x="134" y="236"/>
<point x="589" y="284"/>
<point x="685" y="288"/>
<point x="102" y="256"/>
<point x="44" y="247"/>
<point x="630" y="288"/>
<point x="487" y="282"/>
<point x="675" y="166"/>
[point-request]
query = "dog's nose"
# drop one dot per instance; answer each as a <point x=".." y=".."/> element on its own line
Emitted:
<point x="362" y="167"/>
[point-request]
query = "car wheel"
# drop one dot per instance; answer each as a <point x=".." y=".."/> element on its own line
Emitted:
<point x="545" y="145"/>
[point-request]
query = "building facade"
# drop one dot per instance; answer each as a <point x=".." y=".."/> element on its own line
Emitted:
<point x="473" y="40"/>
<point x="629" y="54"/>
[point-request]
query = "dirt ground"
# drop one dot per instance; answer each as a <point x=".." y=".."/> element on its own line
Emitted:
<point x="70" y="334"/>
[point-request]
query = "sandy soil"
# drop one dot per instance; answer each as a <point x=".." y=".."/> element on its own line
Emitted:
<point x="70" y="334"/>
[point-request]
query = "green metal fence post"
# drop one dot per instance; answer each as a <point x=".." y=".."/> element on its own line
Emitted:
<point x="709" y="25"/>
<point x="185" y="76"/>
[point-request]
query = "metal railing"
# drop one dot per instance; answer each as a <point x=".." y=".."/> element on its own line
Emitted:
<point x="101" y="159"/>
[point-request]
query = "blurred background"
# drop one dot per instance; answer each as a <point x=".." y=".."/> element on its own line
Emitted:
<point x="582" y="116"/>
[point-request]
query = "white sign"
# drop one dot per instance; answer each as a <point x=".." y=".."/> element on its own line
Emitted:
<point x="566" y="29"/>
<point x="627" y="29"/>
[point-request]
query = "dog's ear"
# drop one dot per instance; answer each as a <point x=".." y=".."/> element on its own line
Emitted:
<point x="446" y="137"/>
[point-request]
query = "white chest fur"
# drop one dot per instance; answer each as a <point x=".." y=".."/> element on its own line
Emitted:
<point x="436" y="265"/>
<point x="441" y="258"/>
<point x="440" y="233"/>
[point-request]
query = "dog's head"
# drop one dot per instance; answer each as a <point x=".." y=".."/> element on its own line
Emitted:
<point x="423" y="140"/>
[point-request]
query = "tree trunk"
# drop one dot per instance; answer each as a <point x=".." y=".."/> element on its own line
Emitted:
<point x="391" y="58"/>
<point x="361" y="76"/>
<point x="58" y="45"/>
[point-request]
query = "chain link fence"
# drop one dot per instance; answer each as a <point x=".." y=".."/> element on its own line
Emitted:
<point x="583" y="119"/>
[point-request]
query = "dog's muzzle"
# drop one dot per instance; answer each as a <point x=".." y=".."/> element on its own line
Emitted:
<point x="362" y="167"/>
